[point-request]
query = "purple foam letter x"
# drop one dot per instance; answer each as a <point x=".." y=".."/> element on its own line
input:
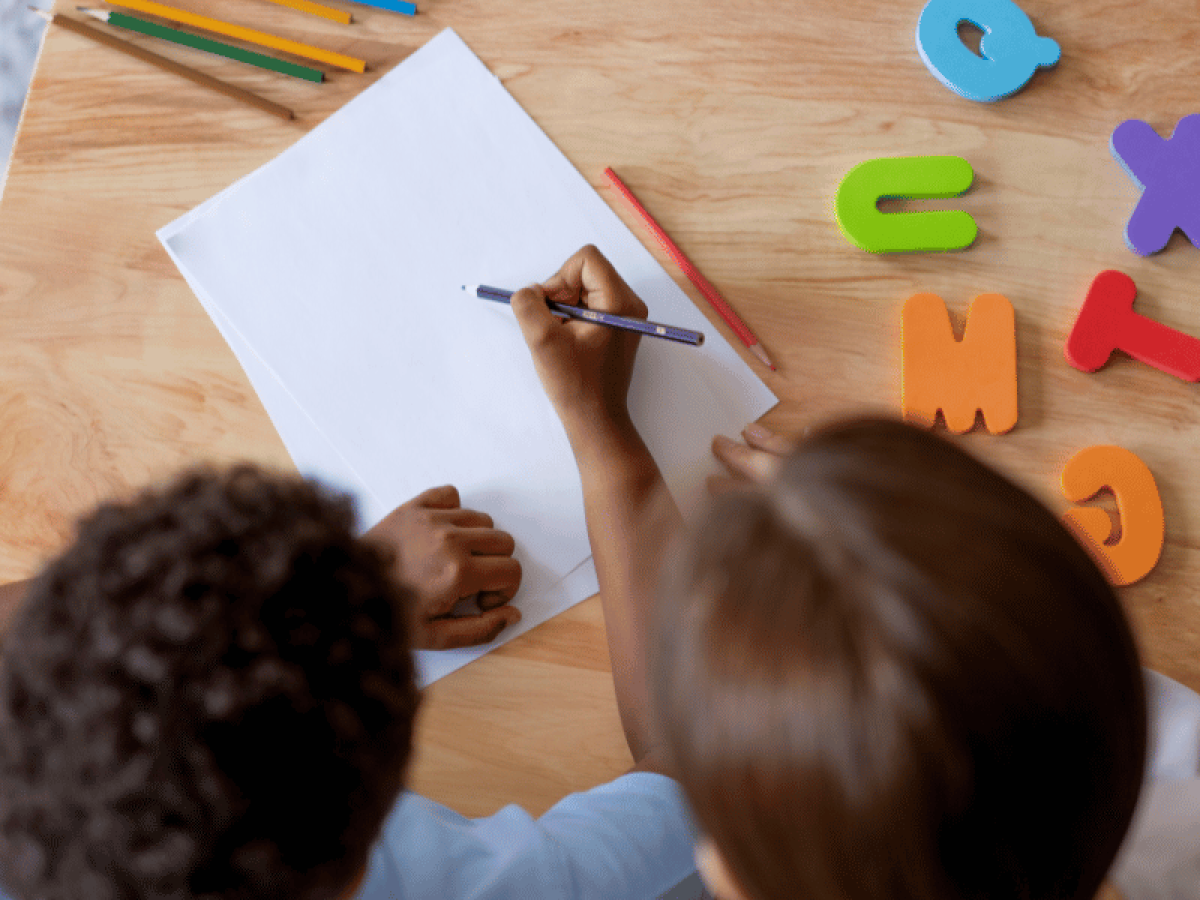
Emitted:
<point x="1168" y="172"/>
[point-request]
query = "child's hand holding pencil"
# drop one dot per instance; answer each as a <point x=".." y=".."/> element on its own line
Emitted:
<point x="585" y="370"/>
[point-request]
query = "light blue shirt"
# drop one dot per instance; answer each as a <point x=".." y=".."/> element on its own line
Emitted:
<point x="1160" y="859"/>
<point x="630" y="839"/>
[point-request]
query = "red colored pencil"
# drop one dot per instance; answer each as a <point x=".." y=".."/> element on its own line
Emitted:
<point x="686" y="266"/>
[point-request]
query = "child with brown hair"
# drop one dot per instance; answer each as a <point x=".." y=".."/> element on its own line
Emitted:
<point x="888" y="672"/>
<point x="879" y="669"/>
<point x="211" y="695"/>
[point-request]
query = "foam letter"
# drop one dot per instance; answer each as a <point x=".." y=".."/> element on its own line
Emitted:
<point x="909" y="178"/>
<point x="1138" y="504"/>
<point x="1107" y="322"/>
<point x="1009" y="52"/>
<point x="1168" y="172"/>
<point x="959" y="377"/>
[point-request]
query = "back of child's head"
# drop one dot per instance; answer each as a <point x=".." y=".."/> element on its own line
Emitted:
<point x="891" y="674"/>
<point x="209" y="695"/>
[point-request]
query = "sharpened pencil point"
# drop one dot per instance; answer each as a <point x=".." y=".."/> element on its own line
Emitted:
<point x="757" y="349"/>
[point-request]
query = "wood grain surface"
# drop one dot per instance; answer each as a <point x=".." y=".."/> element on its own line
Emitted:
<point x="733" y="122"/>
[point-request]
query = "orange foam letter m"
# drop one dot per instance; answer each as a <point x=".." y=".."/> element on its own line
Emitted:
<point x="959" y="377"/>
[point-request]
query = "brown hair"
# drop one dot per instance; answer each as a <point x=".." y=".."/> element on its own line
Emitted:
<point x="892" y="674"/>
<point x="209" y="695"/>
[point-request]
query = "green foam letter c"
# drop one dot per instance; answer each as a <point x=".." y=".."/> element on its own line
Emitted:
<point x="907" y="178"/>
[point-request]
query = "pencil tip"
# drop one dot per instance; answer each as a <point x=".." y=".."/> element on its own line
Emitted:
<point x="761" y="354"/>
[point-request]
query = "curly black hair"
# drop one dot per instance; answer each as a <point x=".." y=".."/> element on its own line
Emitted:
<point x="209" y="695"/>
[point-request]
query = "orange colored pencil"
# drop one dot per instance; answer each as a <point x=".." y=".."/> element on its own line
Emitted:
<point x="326" y="12"/>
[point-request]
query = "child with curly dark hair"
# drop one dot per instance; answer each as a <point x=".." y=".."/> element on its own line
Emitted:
<point x="210" y="695"/>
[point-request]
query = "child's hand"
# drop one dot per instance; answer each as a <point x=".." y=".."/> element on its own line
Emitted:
<point x="756" y="461"/>
<point x="585" y="368"/>
<point x="445" y="554"/>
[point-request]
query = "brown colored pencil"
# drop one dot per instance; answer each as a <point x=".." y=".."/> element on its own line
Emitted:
<point x="163" y="63"/>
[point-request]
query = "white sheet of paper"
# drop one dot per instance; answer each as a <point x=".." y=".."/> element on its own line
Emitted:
<point x="335" y="273"/>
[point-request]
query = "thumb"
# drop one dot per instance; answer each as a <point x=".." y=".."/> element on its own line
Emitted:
<point x="533" y="315"/>
<point x="468" y="631"/>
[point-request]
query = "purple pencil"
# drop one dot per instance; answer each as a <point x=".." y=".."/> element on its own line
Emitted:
<point x="596" y="317"/>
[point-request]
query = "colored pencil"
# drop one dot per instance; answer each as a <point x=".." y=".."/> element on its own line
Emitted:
<point x="327" y="12"/>
<point x="724" y="310"/>
<point x="596" y="317"/>
<point x="409" y="9"/>
<point x="243" y="34"/>
<point x="133" y="23"/>
<point x="162" y="62"/>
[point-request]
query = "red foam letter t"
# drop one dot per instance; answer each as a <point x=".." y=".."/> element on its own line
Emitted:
<point x="1107" y="322"/>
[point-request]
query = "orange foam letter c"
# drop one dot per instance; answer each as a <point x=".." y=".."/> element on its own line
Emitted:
<point x="1138" y="503"/>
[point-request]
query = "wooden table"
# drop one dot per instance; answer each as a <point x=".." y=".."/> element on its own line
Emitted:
<point x="734" y="122"/>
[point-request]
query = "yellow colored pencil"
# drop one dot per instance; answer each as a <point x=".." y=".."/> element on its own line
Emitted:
<point x="337" y="15"/>
<point x="243" y="34"/>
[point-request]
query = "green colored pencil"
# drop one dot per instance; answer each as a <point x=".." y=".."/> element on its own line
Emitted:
<point x="133" y="23"/>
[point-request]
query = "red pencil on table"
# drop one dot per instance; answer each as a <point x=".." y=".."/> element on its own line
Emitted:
<point x="686" y="266"/>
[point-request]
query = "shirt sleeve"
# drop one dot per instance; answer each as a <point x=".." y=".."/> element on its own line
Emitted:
<point x="627" y="840"/>
<point x="1160" y="859"/>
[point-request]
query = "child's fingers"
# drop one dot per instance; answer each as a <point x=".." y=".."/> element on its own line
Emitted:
<point x="490" y="574"/>
<point x="566" y="284"/>
<point x="464" y="518"/>
<point x="762" y="438"/>
<point x="587" y="270"/>
<point x="588" y="276"/>
<point x="488" y="541"/>
<point x="726" y="452"/>
<point x="468" y="631"/>
<point x="745" y="462"/>
<point x="490" y="600"/>
<point x="596" y="273"/>
<point x="443" y="497"/>
<point x="605" y="284"/>
<point x="534" y="317"/>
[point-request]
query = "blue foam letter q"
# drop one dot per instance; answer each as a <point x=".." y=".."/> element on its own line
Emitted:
<point x="1009" y="52"/>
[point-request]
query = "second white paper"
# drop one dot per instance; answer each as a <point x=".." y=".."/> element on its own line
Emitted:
<point x="335" y="272"/>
